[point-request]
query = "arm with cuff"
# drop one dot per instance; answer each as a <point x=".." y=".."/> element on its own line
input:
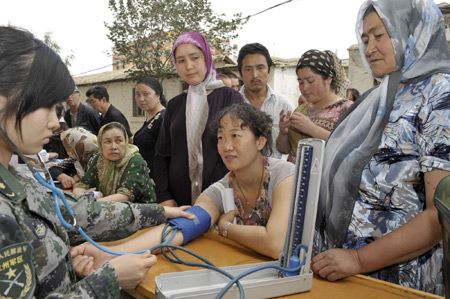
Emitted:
<point x="152" y="238"/>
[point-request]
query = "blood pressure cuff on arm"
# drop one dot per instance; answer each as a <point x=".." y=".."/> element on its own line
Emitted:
<point x="192" y="229"/>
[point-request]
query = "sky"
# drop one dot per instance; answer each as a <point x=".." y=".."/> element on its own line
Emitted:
<point x="287" y="31"/>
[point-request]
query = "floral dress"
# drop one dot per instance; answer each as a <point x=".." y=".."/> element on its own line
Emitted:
<point x="325" y="118"/>
<point x="260" y="213"/>
<point x="392" y="192"/>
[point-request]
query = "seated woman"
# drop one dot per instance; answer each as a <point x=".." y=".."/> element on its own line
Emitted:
<point x="322" y="82"/>
<point x="80" y="145"/>
<point x="261" y="187"/>
<point x="119" y="173"/>
<point x="383" y="161"/>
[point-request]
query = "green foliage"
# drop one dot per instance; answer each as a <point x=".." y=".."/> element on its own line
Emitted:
<point x="49" y="41"/>
<point x="143" y="31"/>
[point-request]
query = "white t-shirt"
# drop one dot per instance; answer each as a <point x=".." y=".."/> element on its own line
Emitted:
<point x="279" y="170"/>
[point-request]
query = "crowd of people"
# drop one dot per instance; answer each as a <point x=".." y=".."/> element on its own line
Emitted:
<point x="386" y="151"/>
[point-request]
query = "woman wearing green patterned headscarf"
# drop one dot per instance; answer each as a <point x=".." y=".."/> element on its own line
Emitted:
<point x="119" y="173"/>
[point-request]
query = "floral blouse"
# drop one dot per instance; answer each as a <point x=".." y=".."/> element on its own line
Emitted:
<point x="392" y="191"/>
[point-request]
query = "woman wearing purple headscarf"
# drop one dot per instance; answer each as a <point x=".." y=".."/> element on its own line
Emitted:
<point x="186" y="158"/>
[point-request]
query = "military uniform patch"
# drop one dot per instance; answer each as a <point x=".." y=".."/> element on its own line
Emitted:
<point x="17" y="278"/>
<point x="40" y="230"/>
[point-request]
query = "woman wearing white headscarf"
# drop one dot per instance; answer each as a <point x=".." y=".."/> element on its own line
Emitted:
<point x="387" y="154"/>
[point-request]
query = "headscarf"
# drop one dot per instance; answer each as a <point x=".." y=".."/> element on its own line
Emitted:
<point x="326" y="63"/>
<point x="197" y="109"/>
<point x="112" y="170"/>
<point x="80" y="145"/>
<point x="156" y="86"/>
<point x="416" y="28"/>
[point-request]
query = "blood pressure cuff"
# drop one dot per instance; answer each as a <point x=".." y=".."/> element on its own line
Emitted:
<point x="192" y="229"/>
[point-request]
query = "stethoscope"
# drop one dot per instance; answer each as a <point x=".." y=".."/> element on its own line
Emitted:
<point x="58" y="194"/>
<point x="168" y="230"/>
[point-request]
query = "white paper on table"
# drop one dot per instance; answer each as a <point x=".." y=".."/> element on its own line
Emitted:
<point x="228" y="201"/>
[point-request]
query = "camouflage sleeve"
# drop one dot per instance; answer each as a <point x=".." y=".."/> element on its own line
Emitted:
<point x="100" y="284"/>
<point x="107" y="221"/>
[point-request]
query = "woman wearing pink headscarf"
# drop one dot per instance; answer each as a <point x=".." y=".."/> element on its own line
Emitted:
<point x="186" y="158"/>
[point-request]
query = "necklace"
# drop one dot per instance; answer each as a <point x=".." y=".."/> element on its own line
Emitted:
<point x="153" y="118"/>
<point x="259" y="189"/>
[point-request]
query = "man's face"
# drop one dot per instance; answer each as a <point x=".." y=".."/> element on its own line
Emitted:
<point x="73" y="99"/>
<point x="95" y="103"/>
<point x="255" y="72"/>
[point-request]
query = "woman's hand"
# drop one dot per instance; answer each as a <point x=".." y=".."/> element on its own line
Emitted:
<point x="284" y="122"/>
<point x="131" y="268"/>
<point x="83" y="265"/>
<point x="85" y="253"/>
<point x="335" y="264"/>
<point x="302" y="123"/>
<point x="227" y="217"/>
<point x="66" y="181"/>
<point x="172" y="212"/>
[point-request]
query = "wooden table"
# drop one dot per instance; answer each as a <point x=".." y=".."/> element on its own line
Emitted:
<point x="223" y="252"/>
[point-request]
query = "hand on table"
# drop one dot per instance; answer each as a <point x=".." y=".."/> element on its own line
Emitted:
<point x="335" y="264"/>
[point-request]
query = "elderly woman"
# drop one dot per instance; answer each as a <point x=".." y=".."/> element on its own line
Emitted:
<point x="119" y="173"/>
<point x="385" y="158"/>
<point x="322" y="82"/>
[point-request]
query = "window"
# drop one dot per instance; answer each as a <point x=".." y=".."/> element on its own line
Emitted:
<point x="137" y="111"/>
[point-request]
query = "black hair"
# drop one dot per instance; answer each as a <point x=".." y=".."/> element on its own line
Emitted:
<point x="60" y="110"/>
<point x="254" y="48"/>
<point x="322" y="74"/>
<point x="354" y="92"/>
<point x="256" y="120"/>
<point x="115" y="125"/>
<point x="32" y="76"/>
<point x="99" y="92"/>
<point x="156" y="86"/>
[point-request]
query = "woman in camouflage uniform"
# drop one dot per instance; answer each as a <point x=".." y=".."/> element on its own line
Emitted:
<point x="35" y="255"/>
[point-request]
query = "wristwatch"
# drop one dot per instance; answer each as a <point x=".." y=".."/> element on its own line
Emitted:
<point x="225" y="230"/>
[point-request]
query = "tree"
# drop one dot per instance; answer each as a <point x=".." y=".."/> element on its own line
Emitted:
<point x="49" y="41"/>
<point x="143" y="31"/>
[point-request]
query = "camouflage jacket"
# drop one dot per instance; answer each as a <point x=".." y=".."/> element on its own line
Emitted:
<point x="35" y="248"/>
